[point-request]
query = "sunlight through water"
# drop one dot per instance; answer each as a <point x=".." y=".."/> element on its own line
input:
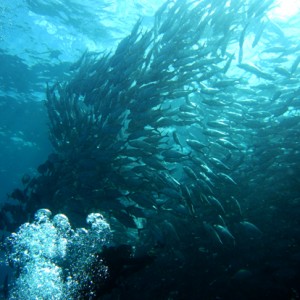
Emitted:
<point x="285" y="9"/>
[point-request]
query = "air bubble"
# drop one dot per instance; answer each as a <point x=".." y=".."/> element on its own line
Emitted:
<point x="42" y="215"/>
<point x="61" y="222"/>
<point x="51" y="259"/>
<point x="97" y="222"/>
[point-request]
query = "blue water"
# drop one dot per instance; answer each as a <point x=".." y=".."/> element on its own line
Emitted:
<point x="40" y="40"/>
<point x="180" y="139"/>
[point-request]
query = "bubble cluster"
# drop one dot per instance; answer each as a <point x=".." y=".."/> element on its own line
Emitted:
<point x="51" y="259"/>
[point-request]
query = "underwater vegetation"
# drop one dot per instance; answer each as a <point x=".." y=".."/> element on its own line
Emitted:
<point x="188" y="150"/>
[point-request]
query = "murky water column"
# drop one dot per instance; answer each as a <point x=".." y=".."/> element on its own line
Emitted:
<point x="50" y="259"/>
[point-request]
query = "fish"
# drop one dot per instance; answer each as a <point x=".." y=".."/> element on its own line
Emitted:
<point x="208" y="90"/>
<point x="283" y="71"/>
<point x="140" y="144"/>
<point x="225" y="234"/>
<point x="227" y="144"/>
<point x="172" y="193"/>
<point x="255" y="70"/>
<point x="226" y="178"/>
<point x="154" y="163"/>
<point x="214" y="102"/>
<point x="173" y="154"/>
<point x="212" y="233"/>
<point x="218" y="164"/>
<point x="295" y="65"/>
<point x="190" y="172"/>
<point x="228" y="63"/>
<point x="196" y="145"/>
<point x="187" y="196"/>
<point x="241" y="43"/>
<point x="250" y="229"/>
<point x="176" y="139"/>
<point x="163" y="131"/>
<point x="259" y="33"/>
<point x="215" y="133"/>
<point x="217" y="124"/>
<point x="216" y="203"/>
<point x="236" y="205"/>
